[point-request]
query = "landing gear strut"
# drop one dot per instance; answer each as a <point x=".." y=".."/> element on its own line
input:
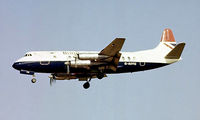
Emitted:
<point x="33" y="80"/>
<point x="87" y="84"/>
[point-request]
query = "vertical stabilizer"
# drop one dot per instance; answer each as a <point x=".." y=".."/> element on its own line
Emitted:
<point x="168" y="48"/>
<point x="167" y="36"/>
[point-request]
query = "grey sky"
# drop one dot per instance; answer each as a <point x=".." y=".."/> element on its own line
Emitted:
<point x="168" y="93"/>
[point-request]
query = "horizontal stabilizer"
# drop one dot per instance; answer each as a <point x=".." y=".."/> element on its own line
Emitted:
<point x="176" y="52"/>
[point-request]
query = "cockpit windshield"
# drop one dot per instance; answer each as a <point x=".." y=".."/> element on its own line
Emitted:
<point x="28" y="55"/>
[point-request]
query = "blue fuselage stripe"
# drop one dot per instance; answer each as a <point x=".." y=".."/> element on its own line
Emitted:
<point x="60" y="67"/>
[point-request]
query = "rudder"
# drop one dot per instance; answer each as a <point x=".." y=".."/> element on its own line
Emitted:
<point x="167" y="36"/>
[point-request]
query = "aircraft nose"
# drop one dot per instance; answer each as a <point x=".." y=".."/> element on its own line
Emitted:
<point x="16" y="65"/>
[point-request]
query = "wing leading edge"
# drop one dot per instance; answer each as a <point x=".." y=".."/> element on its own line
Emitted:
<point x="112" y="50"/>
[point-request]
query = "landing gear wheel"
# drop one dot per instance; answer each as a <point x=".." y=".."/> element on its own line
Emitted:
<point x="33" y="80"/>
<point x="86" y="85"/>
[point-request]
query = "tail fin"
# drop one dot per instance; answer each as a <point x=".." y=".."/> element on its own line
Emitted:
<point x="176" y="52"/>
<point x="167" y="36"/>
<point x="168" y="47"/>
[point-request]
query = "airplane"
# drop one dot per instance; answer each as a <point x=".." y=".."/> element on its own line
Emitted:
<point x="86" y="65"/>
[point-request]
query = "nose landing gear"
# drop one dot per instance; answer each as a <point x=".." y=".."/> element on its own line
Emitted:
<point x="33" y="80"/>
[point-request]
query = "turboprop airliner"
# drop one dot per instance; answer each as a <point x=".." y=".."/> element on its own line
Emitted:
<point x="86" y="65"/>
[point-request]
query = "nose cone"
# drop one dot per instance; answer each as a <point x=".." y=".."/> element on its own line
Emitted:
<point x="16" y="65"/>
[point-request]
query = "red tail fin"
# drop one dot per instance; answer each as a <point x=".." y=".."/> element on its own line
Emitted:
<point x="167" y="36"/>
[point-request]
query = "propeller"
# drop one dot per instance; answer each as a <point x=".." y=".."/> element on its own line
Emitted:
<point x="52" y="80"/>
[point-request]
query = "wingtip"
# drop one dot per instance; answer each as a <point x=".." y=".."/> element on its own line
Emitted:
<point x="121" y="38"/>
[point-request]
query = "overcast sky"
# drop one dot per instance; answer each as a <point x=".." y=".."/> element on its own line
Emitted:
<point x="168" y="93"/>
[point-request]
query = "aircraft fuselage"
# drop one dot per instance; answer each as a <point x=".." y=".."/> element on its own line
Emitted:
<point x="85" y="65"/>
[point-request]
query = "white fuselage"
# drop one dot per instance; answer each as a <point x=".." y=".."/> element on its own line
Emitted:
<point x="156" y="55"/>
<point x="85" y="65"/>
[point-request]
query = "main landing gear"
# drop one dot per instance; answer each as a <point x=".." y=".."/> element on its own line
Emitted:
<point x="100" y="75"/>
<point x="87" y="84"/>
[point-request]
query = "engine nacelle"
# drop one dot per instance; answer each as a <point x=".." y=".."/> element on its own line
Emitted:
<point x="78" y="63"/>
<point x="91" y="56"/>
<point x="81" y="63"/>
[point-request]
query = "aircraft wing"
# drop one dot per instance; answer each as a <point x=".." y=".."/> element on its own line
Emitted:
<point x="112" y="50"/>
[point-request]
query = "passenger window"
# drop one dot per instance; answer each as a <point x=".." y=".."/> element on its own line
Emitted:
<point x="123" y="58"/>
<point x="129" y="58"/>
